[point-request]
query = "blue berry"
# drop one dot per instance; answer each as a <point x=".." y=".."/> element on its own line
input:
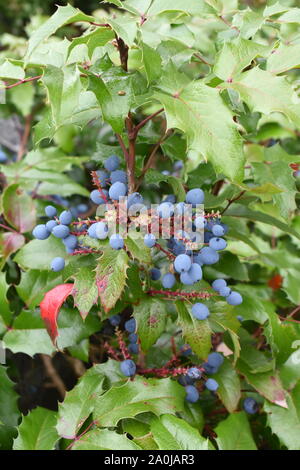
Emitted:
<point x="61" y="231"/>
<point x="210" y="369"/>
<point x="133" y="337"/>
<point x="118" y="176"/>
<point x="199" y="222"/>
<point x="57" y="264"/>
<point x="70" y="241"/>
<point x="112" y="163"/>
<point x="240" y="318"/>
<point x="65" y="217"/>
<point x="101" y="230"/>
<point x="149" y="240"/>
<point x="168" y="281"/>
<point x="3" y="156"/>
<point x="130" y="325"/>
<point x="211" y="385"/>
<point x="195" y="196"/>
<point x="186" y="279"/>
<point x="250" y="406"/>
<point x="128" y="368"/>
<point x="215" y="359"/>
<point x="166" y="172"/>
<point x="155" y="274"/>
<point x="92" y="231"/>
<point x="133" y="348"/>
<point x="209" y="256"/>
<point x="116" y="242"/>
<point x="115" y="320"/>
<point x="103" y="177"/>
<point x="178" y="165"/>
<point x="218" y="284"/>
<point x="218" y="230"/>
<point x="165" y="210"/>
<point x="177" y="247"/>
<point x="225" y="291"/>
<point x="186" y="350"/>
<point x="185" y="380"/>
<point x="207" y="237"/>
<point x="194" y="373"/>
<point x="195" y="272"/>
<point x="50" y="211"/>
<point x="200" y="311"/>
<point x="117" y="190"/>
<point x="234" y="298"/>
<point x="180" y="208"/>
<point x="97" y="197"/>
<point x="182" y="263"/>
<point x="217" y="243"/>
<point x="50" y="225"/>
<point x="192" y="394"/>
<point x="134" y="199"/>
<point x="170" y="198"/>
<point x="40" y="232"/>
<point x="82" y="208"/>
<point x="197" y="259"/>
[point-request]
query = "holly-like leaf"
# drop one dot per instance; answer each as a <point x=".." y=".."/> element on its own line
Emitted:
<point x="137" y="249"/>
<point x="79" y="403"/>
<point x="142" y="395"/>
<point x="173" y="433"/>
<point x="10" y="242"/>
<point x="196" y="333"/>
<point x="92" y="38"/>
<point x="104" y="439"/>
<point x="10" y="70"/>
<point x="5" y="312"/>
<point x="150" y="315"/>
<point x="51" y="305"/>
<point x="152" y="62"/>
<point x="19" y="208"/>
<point x="37" y="430"/>
<point x="38" y="254"/>
<point x="111" y="276"/>
<point x="9" y="413"/>
<point x="229" y="390"/>
<point x="85" y="290"/>
<point x="285" y="57"/>
<point x="34" y="285"/>
<point x="234" y="433"/>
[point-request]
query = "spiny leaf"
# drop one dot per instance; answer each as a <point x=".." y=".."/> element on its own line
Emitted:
<point x="196" y="333"/>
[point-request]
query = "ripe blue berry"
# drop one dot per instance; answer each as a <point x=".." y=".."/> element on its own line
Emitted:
<point x="218" y="284"/>
<point x="133" y="348"/>
<point x="199" y="222"/>
<point x="170" y="198"/>
<point x="155" y="274"/>
<point x="210" y="369"/>
<point x="186" y="350"/>
<point x="70" y="241"/>
<point x="50" y="211"/>
<point x="192" y="394"/>
<point x="92" y="231"/>
<point x="103" y="177"/>
<point x="180" y="208"/>
<point x="134" y="199"/>
<point x="185" y="380"/>
<point x="168" y="281"/>
<point x="50" y="225"/>
<point x="165" y="210"/>
<point x="65" y="217"/>
<point x="117" y="190"/>
<point x="182" y="263"/>
<point x="217" y="243"/>
<point x="61" y="231"/>
<point x="225" y="291"/>
<point x="128" y="368"/>
<point x="97" y="197"/>
<point x="57" y="264"/>
<point x="218" y="230"/>
<point x="200" y="311"/>
<point x="209" y="256"/>
<point x="118" y="176"/>
<point x="82" y="208"/>
<point x="149" y="240"/>
<point x="197" y="259"/>
<point x="215" y="359"/>
<point x="234" y="298"/>
<point x="112" y="163"/>
<point x="186" y="279"/>
<point x="3" y="156"/>
<point x="116" y="242"/>
<point x="178" y="165"/>
<point x="250" y="406"/>
<point x="115" y="320"/>
<point x="240" y="318"/>
<point x="133" y="337"/>
<point x="211" y="385"/>
<point x="101" y="230"/>
<point x="194" y="373"/>
<point x="195" y="272"/>
<point x="130" y="325"/>
<point x="41" y="232"/>
<point x="195" y="196"/>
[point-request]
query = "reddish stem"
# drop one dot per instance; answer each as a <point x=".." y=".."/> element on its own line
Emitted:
<point x="188" y="295"/>
<point x="122" y="345"/>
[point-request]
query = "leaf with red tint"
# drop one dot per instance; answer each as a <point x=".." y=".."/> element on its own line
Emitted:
<point x="50" y="307"/>
<point x="275" y="282"/>
<point x="19" y="208"/>
<point x="10" y="242"/>
<point x="294" y="166"/>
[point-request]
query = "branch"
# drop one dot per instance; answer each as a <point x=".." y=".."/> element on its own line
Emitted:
<point x="131" y="154"/>
<point x="202" y="59"/>
<point x="230" y="201"/>
<point x="187" y="295"/>
<point x="25" y="80"/>
<point x="123" y="52"/>
<point x="144" y="122"/>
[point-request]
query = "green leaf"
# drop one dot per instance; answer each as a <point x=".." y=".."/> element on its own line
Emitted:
<point x="37" y="430"/>
<point x="285" y="423"/>
<point x="79" y="403"/>
<point x="192" y="108"/>
<point x="19" y="208"/>
<point x="111" y="276"/>
<point x="9" y="70"/>
<point x="285" y="57"/>
<point x="234" y="433"/>
<point x="6" y="314"/>
<point x="125" y="28"/>
<point x="34" y="285"/>
<point x="104" y="439"/>
<point x="38" y="254"/>
<point x="62" y="16"/>
<point x="85" y="290"/>
<point x="193" y="7"/>
<point x="92" y="38"/>
<point x="22" y="97"/>
<point x="142" y="395"/>
<point x="172" y="433"/>
<point x="136" y="247"/>
<point x="229" y="390"/>
<point x="9" y="412"/>
<point x="152" y="62"/>
<point x="196" y="333"/>
<point x="10" y="242"/>
<point x="150" y="315"/>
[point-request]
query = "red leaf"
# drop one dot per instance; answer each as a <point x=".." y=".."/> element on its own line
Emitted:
<point x="50" y="307"/>
<point x="275" y="282"/>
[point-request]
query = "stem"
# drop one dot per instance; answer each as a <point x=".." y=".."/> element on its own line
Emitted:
<point x="289" y="319"/>
<point x="123" y="52"/>
<point x="25" y="80"/>
<point x="9" y="228"/>
<point x="169" y="255"/>
<point x="230" y="201"/>
<point x="296" y="310"/>
<point x="144" y="122"/>
<point x="187" y="295"/>
<point x="202" y="59"/>
<point x="131" y="154"/>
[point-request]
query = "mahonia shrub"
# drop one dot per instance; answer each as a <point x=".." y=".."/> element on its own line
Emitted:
<point x="149" y="228"/>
